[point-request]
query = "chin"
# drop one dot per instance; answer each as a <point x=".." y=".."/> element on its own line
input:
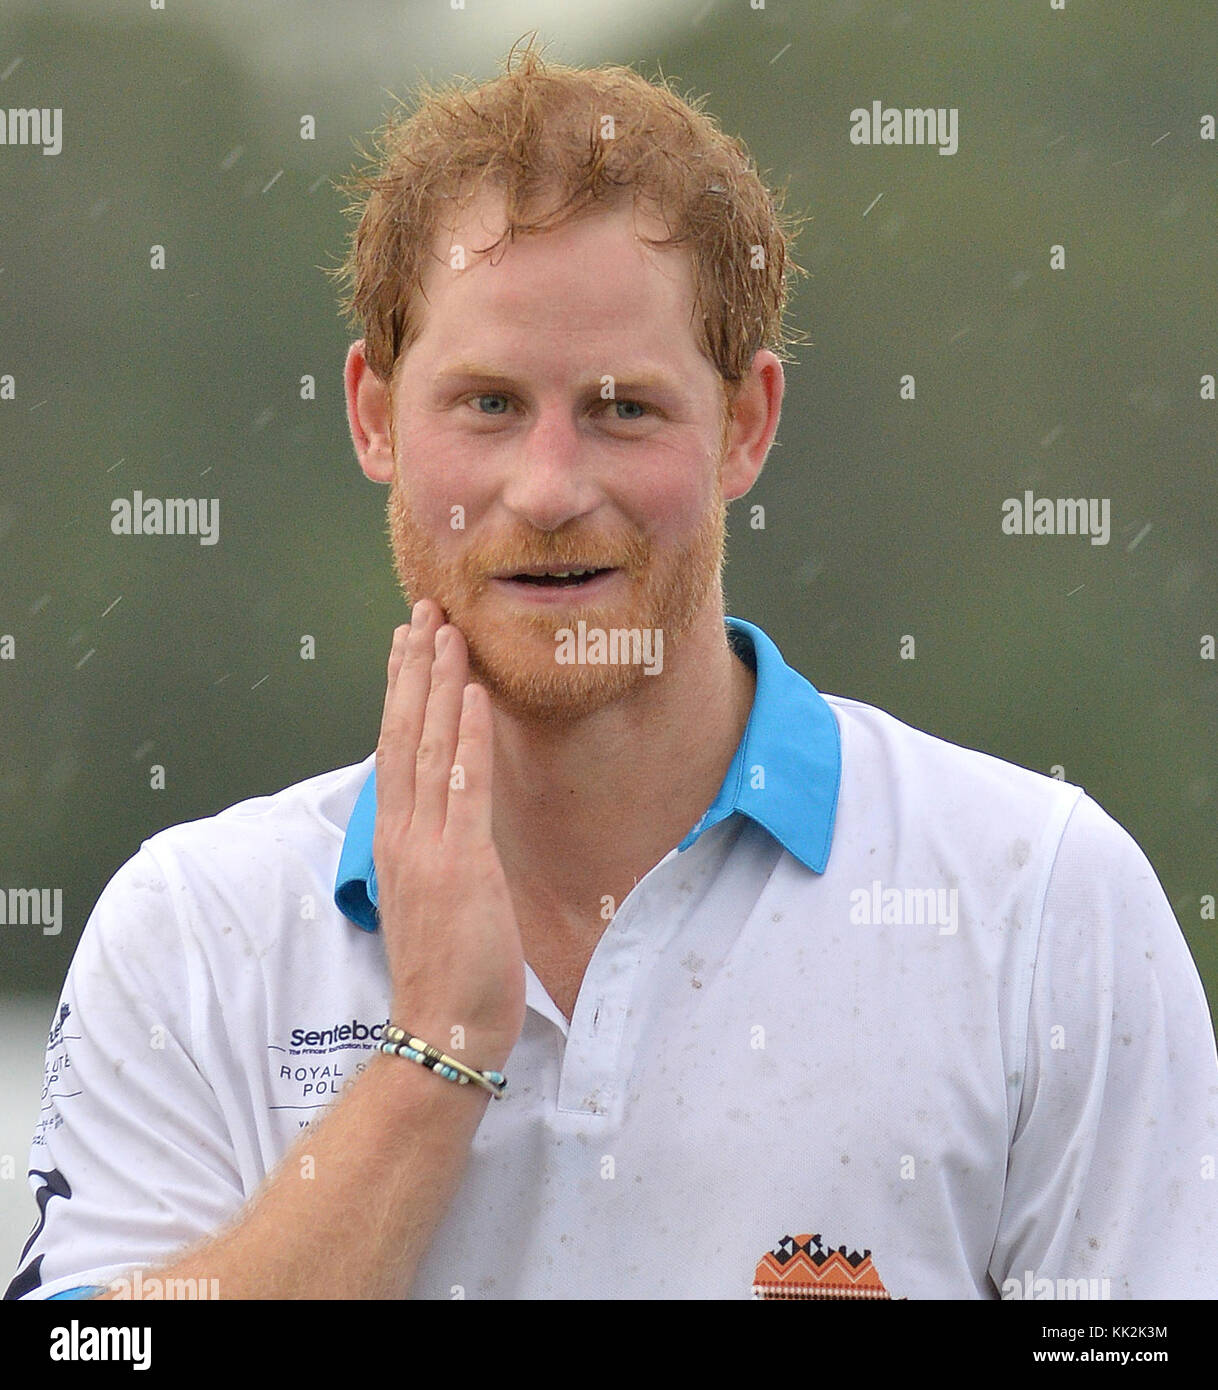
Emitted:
<point x="543" y="697"/>
<point x="514" y="657"/>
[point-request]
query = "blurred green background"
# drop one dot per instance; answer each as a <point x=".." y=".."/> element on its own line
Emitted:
<point x="181" y="128"/>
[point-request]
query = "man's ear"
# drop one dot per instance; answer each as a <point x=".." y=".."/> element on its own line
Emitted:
<point x="753" y="425"/>
<point x="368" y="407"/>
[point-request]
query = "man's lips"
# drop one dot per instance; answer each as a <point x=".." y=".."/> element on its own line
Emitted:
<point x="557" y="576"/>
<point x="541" y="586"/>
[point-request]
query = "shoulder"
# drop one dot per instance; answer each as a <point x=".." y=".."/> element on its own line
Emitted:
<point x="883" y="755"/>
<point x="307" y="814"/>
<point x="978" y="817"/>
<point x="243" y="874"/>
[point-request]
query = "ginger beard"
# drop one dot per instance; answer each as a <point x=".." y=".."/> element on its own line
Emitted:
<point x="512" y="652"/>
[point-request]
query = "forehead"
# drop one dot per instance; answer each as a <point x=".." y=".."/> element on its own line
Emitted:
<point x="588" y="291"/>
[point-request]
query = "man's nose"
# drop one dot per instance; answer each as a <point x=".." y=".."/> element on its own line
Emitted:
<point x="550" y="480"/>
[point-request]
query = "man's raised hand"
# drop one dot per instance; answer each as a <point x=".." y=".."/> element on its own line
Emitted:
<point x="451" y="937"/>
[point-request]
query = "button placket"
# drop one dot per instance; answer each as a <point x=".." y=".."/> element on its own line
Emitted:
<point x="591" y="1079"/>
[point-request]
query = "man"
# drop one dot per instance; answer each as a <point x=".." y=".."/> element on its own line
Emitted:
<point x="792" y="1000"/>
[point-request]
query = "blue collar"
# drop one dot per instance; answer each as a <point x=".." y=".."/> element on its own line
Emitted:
<point x="785" y="776"/>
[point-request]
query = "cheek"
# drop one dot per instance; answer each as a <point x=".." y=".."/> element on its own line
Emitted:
<point x="435" y="487"/>
<point x="676" y="487"/>
<point x="673" y="506"/>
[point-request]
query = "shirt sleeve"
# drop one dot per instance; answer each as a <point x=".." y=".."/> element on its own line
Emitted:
<point x="131" y="1159"/>
<point x="1111" y="1173"/>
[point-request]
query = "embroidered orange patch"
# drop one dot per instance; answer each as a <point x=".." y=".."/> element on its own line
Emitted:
<point x="802" y="1267"/>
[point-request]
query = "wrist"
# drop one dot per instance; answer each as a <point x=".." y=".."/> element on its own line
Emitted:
<point x="476" y="1046"/>
<point x="419" y="1096"/>
<point x="397" y="1042"/>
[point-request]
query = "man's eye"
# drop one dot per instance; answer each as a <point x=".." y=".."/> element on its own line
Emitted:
<point x="495" y="403"/>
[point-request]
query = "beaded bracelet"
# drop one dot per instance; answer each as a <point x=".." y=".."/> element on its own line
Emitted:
<point x="398" y="1043"/>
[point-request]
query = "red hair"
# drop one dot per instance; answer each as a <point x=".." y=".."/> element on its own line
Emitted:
<point x="557" y="141"/>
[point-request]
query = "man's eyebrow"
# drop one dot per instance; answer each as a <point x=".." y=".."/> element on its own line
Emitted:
<point x="642" y="377"/>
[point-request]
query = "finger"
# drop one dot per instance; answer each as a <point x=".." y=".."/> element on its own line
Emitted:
<point x="424" y="614"/>
<point x="406" y="695"/>
<point x="469" y="803"/>
<point x="438" y="740"/>
<point x="396" y="652"/>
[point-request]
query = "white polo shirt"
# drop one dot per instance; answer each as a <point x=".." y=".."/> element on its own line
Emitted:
<point x="896" y="1019"/>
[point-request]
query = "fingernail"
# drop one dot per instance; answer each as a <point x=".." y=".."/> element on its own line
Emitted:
<point x="443" y="637"/>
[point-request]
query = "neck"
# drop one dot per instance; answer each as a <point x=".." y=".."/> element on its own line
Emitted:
<point x="583" y="811"/>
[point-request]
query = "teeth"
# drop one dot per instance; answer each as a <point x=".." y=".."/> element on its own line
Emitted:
<point x="560" y="574"/>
